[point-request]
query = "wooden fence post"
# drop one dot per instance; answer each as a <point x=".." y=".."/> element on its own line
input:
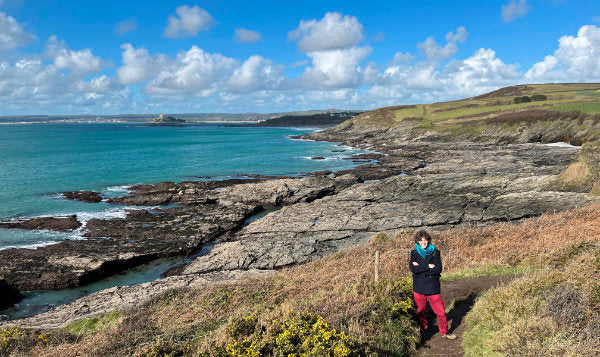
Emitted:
<point x="376" y="266"/>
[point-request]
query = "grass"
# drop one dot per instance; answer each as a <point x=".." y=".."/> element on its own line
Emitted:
<point x="590" y="93"/>
<point x="585" y="107"/>
<point x="488" y="270"/>
<point x="94" y="324"/>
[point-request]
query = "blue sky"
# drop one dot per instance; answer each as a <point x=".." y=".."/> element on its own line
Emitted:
<point x="72" y="57"/>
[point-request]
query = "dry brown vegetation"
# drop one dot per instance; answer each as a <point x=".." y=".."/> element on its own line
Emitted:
<point x="339" y="287"/>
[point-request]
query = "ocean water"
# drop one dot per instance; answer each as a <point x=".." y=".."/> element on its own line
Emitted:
<point x="38" y="161"/>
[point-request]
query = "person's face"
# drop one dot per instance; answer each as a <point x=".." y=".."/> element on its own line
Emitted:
<point x="423" y="243"/>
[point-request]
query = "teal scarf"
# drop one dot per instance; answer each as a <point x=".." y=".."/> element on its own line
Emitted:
<point x="425" y="252"/>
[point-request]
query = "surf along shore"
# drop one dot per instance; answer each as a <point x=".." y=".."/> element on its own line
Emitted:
<point x="458" y="164"/>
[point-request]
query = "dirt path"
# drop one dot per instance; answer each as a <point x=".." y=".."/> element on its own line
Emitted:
<point x="465" y="291"/>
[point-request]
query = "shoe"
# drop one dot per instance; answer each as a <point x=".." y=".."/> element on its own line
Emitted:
<point x="449" y="336"/>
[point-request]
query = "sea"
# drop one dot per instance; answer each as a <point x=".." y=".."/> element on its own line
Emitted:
<point x="39" y="161"/>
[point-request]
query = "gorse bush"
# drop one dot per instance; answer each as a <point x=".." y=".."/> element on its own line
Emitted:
<point x="293" y="334"/>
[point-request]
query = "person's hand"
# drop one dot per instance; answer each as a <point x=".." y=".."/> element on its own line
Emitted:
<point x="431" y="266"/>
<point x="415" y="264"/>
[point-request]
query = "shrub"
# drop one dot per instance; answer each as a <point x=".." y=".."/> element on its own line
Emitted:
<point x="295" y="334"/>
<point x="523" y="99"/>
<point x="538" y="97"/>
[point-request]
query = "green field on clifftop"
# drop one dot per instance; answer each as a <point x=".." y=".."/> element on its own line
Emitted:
<point x="485" y="108"/>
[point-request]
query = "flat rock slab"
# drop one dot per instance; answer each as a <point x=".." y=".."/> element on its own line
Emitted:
<point x="61" y="224"/>
<point x="473" y="184"/>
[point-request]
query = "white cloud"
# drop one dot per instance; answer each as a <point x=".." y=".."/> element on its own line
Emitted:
<point x="430" y="49"/>
<point x="257" y="73"/>
<point x="299" y="63"/>
<point x="460" y="35"/>
<point x="332" y="32"/>
<point x="246" y="36"/>
<point x="77" y="62"/>
<point x="190" y="21"/>
<point x="126" y="26"/>
<point x="335" y="68"/>
<point x="576" y="59"/>
<point x="479" y="73"/>
<point x="514" y="9"/>
<point x="192" y="72"/>
<point x="12" y="34"/>
<point x="581" y="55"/>
<point x="400" y="57"/>
<point x="545" y="70"/>
<point x="138" y="65"/>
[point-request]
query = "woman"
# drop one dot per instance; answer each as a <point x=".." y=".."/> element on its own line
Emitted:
<point x="426" y="266"/>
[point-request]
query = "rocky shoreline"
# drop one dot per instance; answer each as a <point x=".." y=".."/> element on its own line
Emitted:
<point x="419" y="180"/>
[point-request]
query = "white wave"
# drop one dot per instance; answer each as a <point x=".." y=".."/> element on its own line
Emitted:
<point x="30" y="246"/>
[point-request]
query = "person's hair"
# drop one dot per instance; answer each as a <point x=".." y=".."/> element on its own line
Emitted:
<point x="420" y="234"/>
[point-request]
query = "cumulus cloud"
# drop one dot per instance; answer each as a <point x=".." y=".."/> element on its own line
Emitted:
<point x="481" y="72"/>
<point x="430" y="49"/>
<point x="126" y="26"/>
<point x="514" y="9"/>
<point x="433" y="52"/>
<point x="400" y="57"/>
<point x="193" y="71"/>
<point x="576" y="59"/>
<point x="188" y="22"/>
<point x="77" y="62"/>
<point x="12" y="34"/>
<point x="460" y="35"/>
<point x="335" y="68"/>
<point x="246" y="36"/>
<point x="138" y="65"/>
<point x="257" y="73"/>
<point x="334" y="31"/>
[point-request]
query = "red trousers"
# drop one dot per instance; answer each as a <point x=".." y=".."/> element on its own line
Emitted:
<point x="437" y="304"/>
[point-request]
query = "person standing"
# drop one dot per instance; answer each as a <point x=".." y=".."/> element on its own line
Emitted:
<point x="426" y="266"/>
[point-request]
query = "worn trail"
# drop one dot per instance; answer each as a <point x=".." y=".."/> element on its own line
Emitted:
<point x="463" y="292"/>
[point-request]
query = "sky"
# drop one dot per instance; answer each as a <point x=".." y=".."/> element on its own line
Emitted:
<point x="229" y="56"/>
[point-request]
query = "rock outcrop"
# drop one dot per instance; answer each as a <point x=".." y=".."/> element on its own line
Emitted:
<point x="61" y="224"/>
<point x="8" y="294"/>
<point x="85" y="196"/>
<point x="473" y="184"/>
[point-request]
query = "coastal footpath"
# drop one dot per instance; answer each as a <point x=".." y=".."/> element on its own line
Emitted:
<point x="425" y="176"/>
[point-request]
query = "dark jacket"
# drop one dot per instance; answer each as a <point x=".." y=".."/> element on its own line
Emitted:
<point x="426" y="281"/>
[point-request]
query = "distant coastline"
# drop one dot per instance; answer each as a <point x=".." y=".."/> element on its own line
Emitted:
<point x="190" y="118"/>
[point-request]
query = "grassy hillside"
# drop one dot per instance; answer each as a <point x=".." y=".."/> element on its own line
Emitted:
<point x="498" y="107"/>
<point x="334" y="307"/>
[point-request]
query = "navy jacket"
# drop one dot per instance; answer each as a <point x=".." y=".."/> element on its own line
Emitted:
<point x="426" y="281"/>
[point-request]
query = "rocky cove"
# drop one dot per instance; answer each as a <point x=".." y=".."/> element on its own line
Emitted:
<point x="420" y="179"/>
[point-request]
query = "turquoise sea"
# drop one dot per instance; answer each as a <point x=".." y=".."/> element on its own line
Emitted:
<point x="38" y="161"/>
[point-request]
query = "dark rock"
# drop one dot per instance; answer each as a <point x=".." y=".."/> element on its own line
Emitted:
<point x="8" y="294"/>
<point x="85" y="196"/>
<point x="317" y="158"/>
<point x="61" y="224"/>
